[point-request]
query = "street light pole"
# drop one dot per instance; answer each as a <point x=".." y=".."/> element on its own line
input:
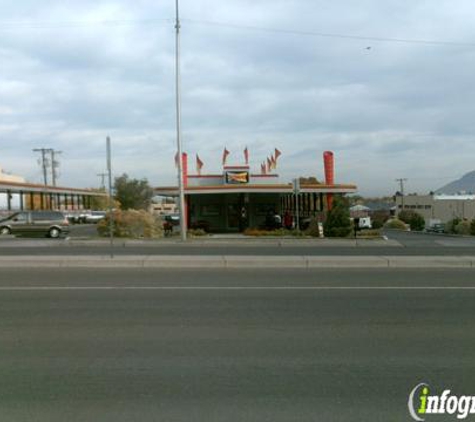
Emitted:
<point x="401" y="184"/>
<point x="183" y="222"/>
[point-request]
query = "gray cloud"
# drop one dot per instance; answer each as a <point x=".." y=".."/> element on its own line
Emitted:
<point x="74" y="73"/>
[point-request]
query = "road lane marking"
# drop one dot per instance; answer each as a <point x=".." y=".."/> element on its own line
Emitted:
<point x="234" y="288"/>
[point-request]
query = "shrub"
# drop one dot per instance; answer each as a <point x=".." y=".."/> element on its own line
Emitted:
<point x="378" y="219"/>
<point x="450" y="226"/>
<point x="338" y="223"/>
<point x="395" y="223"/>
<point x="278" y="232"/>
<point x="472" y="227"/>
<point x="414" y="219"/>
<point x="132" y="224"/>
<point x="313" y="228"/>
<point x="369" y="233"/>
<point x="197" y="232"/>
<point x="462" y="228"/>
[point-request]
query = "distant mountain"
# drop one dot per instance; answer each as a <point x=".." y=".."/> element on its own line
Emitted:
<point x="465" y="184"/>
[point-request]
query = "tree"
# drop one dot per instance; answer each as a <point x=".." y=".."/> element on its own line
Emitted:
<point x="132" y="193"/>
<point x="414" y="219"/>
<point x="311" y="180"/>
<point x="338" y="223"/>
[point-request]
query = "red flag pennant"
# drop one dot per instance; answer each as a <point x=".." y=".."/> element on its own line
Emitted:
<point x="199" y="164"/>
<point x="225" y="156"/>
<point x="273" y="162"/>
<point x="269" y="165"/>
<point x="246" y="155"/>
<point x="277" y="154"/>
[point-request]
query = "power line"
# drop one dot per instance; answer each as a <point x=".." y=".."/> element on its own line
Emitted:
<point x="79" y="24"/>
<point x="332" y="35"/>
<point x="155" y="21"/>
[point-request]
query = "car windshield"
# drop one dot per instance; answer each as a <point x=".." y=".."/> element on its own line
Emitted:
<point x="9" y="217"/>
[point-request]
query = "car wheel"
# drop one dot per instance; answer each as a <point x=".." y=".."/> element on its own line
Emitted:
<point x="5" y="230"/>
<point x="54" y="233"/>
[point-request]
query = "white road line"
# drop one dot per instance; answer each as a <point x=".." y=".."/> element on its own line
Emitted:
<point x="65" y="288"/>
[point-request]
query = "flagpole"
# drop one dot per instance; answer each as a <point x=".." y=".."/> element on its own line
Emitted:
<point x="183" y="221"/>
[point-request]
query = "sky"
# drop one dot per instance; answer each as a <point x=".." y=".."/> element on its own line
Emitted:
<point x="387" y="86"/>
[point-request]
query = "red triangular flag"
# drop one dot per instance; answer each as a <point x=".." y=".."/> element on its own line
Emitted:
<point x="225" y="156"/>
<point x="199" y="164"/>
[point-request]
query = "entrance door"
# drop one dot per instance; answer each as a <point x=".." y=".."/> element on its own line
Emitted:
<point x="233" y="215"/>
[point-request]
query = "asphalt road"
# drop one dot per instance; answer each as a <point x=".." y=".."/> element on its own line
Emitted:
<point x="399" y="244"/>
<point x="142" y="345"/>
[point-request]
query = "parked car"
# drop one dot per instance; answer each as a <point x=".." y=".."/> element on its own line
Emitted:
<point x="94" y="216"/>
<point x="49" y="223"/>
<point x="436" y="228"/>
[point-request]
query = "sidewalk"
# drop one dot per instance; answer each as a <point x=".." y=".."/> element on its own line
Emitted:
<point x="218" y="240"/>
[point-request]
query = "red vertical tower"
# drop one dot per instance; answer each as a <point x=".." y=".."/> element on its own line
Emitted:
<point x="329" y="166"/>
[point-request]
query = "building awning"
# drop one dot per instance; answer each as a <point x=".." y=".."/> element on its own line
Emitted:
<point x="249" y="188"/>
<point x="14" y="187"/>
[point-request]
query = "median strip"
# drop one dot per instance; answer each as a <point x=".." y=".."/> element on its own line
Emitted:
<point x="236" y="262"/>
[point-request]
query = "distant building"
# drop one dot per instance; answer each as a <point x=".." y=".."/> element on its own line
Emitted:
<point x="163" y="208"/>
<point x="441" y="208"/>
<point x="6" y="177"/>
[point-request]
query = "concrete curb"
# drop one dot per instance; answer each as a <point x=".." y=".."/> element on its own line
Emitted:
<point x="237" y="262"/>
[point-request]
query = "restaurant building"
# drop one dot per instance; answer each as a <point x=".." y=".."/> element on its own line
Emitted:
<point x="238" y="198"/>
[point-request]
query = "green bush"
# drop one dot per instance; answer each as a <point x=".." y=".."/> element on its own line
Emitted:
<point x="472" y="227"/>
<point x="462" y="228"/>
<point x="338" y="223"/>
<point x="132" y="224"/>
<point x="450" y="226"/>
<point x="415" y="220"/>
<point x="395" y="223"/>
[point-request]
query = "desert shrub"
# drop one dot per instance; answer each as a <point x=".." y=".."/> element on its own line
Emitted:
<point x="462" y="228"/>
<point x="450" y="226"/>
<point x="414" y="219"/>
<point x="313" y="228"/>
<point x="276" y="233"/>
<point x="395" y="223"/>
<point x="132" y="224"/>
<point x="378" y="219"/>
<point x="197" y="232"/>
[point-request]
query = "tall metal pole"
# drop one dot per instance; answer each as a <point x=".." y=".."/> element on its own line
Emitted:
<point x="111" y="214"/>
<point x="401" y="184"/>
<point x="54" y="165"/>
<point x="183" y="221"/>
<point x="43" y="162"/>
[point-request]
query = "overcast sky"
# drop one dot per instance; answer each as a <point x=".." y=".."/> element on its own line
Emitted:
<point x="255" y="73"/>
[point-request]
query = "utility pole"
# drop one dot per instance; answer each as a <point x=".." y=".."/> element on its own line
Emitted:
<point x="109" y="176"/>
<point x="44" y="162"/>
<point x="103" y="178"/>
<point x="183" y="222"/>
<point x="54" y="165"/>
<point x="401" y="185"/>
